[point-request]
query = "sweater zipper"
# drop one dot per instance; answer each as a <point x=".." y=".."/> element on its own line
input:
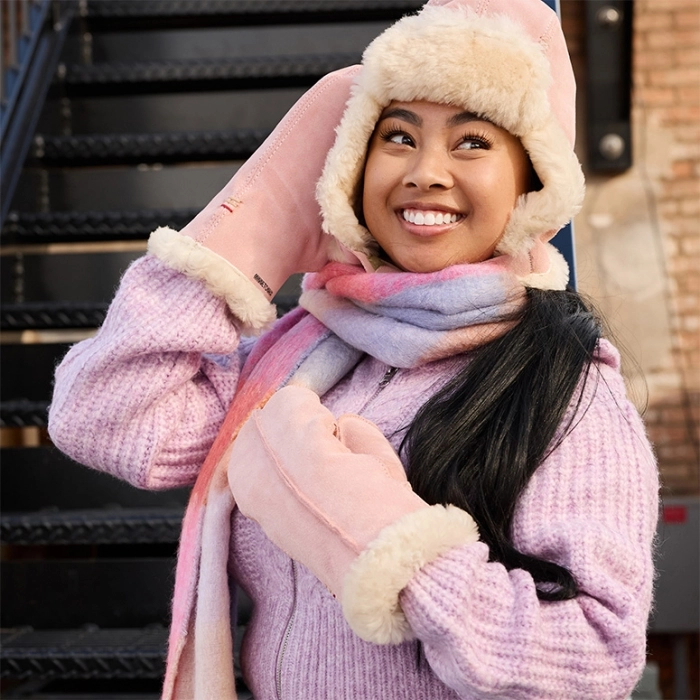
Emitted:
<point x="287" y="631"/>
<point x="388" y="376"/>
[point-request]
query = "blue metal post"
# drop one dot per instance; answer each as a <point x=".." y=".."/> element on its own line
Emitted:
<point x="564" y="240"/>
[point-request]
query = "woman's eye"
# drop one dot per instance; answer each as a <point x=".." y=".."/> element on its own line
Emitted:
<point x="470" y="143"/>
<point x="400" y="139"/>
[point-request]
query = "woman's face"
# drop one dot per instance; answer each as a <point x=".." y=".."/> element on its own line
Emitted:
<point x="440" y="184"/>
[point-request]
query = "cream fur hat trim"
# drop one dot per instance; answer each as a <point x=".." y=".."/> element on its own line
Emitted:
<point x="505" y="60"/>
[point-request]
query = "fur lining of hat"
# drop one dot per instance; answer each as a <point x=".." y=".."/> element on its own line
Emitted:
<point x="438" y="56"/>
<point x="371" y="588"/>
<point x="184" y="254"/>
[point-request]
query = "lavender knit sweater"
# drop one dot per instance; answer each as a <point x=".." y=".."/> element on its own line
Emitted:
<point x="143" y="400"/>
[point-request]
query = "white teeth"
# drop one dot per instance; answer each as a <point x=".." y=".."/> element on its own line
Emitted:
<point x="428" y="218"/>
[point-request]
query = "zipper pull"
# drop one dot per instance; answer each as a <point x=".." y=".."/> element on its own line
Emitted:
<point x="388" y="376"/>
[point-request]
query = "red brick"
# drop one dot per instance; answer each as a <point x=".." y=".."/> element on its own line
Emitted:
<point x="654" y="97"/>
<point x="652" y="21"/>
<point x="687" y="19"/>
<point x="673" y="39"/>
<point x="690" y="187"/>
<point x="687" y="134"/>
<point x="669" y="209"/>
<point x="690" y="95"/>
<point x="691" y="325"/>
<point x="681" y="115"/>
<point x="675" y="452"/>
<point x="669" y="5"/>
<point x="687" y="302"/>
<point x="645" y="60"/>
<point x="687" y="57"/>
<point x="688" y="339"/>
<point x="675" y="76"/>
<point x="681" y="265"/>
<point x="690" y="245"/>
<point x="673" y="435"/>
<point x="683" y="168"/>
<point x="672" y="414"/>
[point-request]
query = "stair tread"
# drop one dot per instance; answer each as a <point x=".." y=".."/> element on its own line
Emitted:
<point x="80" y="226"/>
<point x="93" y="526"/>
<point x="86" y="653"/>
<point x="89" y="641"/>
<point x="189" y="8"/>
<point x="85" y="515"/>
<point x="223" y="69"/>
<point x="23" y="413"/>
<point x="43" y="315"/>
<point x="174" y="146"/>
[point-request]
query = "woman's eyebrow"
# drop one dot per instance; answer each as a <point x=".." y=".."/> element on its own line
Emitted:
<point x="463" y="118"/>
<point x="403" y="114"/>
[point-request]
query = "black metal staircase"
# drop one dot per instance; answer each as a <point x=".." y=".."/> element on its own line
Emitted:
<point x="153" y="106"/>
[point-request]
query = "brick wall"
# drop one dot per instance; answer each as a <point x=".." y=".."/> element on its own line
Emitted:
<point x="666" y="176"/>
<point x="666" y="66"/>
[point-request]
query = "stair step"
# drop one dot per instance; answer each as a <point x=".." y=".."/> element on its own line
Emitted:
<point x="205" y="74"/>
<point x="164" y="147"/>
<point x="83" y="226"/>
<point x="42" y="315"/>
<point x="23" y="413"/>
<point x="106" y="526"/>
<point x="42" y="479"/>
<point x="118" y="15"/>
<point x="90" y="652"/>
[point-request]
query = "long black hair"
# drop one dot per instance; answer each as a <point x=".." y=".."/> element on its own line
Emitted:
<point x="477" y="442"/>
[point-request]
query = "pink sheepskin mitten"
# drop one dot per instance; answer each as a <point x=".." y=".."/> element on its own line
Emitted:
<point x="334" y="496"/>
<point x="265" y="224"/>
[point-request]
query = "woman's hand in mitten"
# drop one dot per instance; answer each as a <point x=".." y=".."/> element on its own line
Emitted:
<point x="265" y="224"/>
<point x="334" y="496"/>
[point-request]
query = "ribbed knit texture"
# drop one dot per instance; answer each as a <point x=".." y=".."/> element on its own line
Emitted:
<point x="142" y="401"/>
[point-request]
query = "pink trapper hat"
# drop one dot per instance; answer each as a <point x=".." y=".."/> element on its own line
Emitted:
<point x="505" y="60"/>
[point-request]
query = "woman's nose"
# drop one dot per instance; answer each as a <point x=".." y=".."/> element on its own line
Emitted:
<point x="429" y="169"/>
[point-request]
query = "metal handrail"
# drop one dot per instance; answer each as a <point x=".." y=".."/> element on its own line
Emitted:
<point x="32" y="33"/>
<point x="20" y="26"/>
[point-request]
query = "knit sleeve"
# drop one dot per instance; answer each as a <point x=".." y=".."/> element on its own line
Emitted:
<point x="144" y="398"/>
<point x="592" y="507"/>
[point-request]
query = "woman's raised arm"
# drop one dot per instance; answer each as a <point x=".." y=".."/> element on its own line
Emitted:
<point x="144" y="399"/>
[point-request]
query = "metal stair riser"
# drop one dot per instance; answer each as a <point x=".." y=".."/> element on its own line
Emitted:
<point x="67" y="278"/>
<point x="42" y="478"/>
<point x="68" y="593"/>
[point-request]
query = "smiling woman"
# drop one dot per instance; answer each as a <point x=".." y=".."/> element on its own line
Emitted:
<point x="427" y="477"/>
<point x="440" y="185"/>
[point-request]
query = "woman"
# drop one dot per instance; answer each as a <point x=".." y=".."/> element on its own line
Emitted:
<point x="507" y="552"/>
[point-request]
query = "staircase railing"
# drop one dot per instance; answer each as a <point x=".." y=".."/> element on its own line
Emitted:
<point x="32" y="33"/>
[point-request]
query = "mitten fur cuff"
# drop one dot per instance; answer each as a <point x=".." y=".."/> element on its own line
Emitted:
<point x="184" y="254"/>
<point x="372" y="586"/>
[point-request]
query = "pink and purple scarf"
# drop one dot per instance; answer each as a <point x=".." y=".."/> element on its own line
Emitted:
<point x="403" y="319"/>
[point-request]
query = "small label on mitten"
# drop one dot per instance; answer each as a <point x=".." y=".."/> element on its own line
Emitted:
<point x="263" y="284"/>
